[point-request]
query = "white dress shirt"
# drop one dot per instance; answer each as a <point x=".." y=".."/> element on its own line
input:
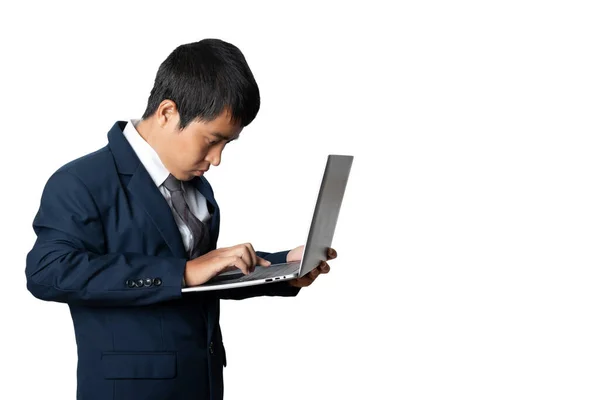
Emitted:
<point x="151" y="161"/>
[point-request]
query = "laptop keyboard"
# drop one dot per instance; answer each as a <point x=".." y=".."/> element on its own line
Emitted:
<point x="259" y="273"/>
<point x="262" y="272"/>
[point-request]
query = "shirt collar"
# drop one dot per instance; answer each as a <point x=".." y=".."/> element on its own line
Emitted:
<point x="147" y="155"/>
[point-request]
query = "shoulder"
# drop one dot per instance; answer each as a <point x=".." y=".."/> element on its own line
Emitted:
<point x="91" y="172"/>
<point x="89" y="165"/>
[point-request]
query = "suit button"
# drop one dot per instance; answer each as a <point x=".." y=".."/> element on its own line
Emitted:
<point x="211" y="348"/>
<point x="130" y="283"/>
<point x="147" y="282"/>
<point x="157" y="282"/>
<point x="139" y="283"/>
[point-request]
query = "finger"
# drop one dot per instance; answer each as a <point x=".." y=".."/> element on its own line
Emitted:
<point x="262" y="262"/>
<point x="310" y="278"/>
<point x="245" y="255"/>
<point x="238" y="262"/>
<point x="324" y="267"/>
<point x="245" y="251"/>
<point x="299" y="283"/>
<point x="229" y="268"/>
<point x="252" y="254"/>
<point x="304" y="281"/>
<point x="331" y="254"/>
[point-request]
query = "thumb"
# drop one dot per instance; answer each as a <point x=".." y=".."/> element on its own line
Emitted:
<point x="262" y="262"/>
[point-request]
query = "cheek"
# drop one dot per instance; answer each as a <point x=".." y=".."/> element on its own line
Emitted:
<point x="196" y="152"/>
<point x="184" y="152"/>
<point x="191" y="151"/>
<point x="202" y="151"/>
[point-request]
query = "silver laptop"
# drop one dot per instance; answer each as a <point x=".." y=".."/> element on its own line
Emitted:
<point x="320" y="235"/>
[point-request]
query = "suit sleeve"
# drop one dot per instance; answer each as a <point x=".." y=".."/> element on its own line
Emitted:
<point x="283" y="289"/>
<point x="68" y="262"/>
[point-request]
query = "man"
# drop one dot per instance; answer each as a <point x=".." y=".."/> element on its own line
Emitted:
<point x="120" y="231"/>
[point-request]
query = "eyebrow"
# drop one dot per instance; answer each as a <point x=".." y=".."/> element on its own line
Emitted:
<point x="221" y="136"/>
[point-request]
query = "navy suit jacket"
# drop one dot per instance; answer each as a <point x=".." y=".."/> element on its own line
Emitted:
<point x="108" y="246"/>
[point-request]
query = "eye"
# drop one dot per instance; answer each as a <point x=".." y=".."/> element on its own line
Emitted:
<point x="211" y="142"/>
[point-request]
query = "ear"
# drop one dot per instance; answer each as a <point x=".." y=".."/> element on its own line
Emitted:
<point x="167" y="114"/>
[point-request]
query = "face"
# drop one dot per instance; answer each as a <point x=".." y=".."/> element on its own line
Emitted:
<point x="192" y="151"/>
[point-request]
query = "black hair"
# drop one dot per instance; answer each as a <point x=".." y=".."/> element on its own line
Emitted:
<point x="202" y="79"/>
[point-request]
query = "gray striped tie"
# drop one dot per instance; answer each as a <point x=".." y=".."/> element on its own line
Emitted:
<point x="200" y="232"/>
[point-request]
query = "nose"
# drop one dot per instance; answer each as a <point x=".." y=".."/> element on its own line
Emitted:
<point x="214" y="157"/>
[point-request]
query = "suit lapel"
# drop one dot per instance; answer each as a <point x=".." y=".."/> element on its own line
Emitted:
<point x="143" y="190"/>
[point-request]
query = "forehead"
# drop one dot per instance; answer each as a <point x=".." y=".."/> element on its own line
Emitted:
<point x="222" y="126"/>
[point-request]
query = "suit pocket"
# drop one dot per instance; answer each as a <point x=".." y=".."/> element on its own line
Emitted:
<point x="139" y="365"/>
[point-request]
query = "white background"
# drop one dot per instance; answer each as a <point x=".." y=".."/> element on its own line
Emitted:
<point x="468" y="236"/>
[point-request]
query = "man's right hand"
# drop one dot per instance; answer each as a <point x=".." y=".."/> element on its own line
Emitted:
<point x="203" y="268"/>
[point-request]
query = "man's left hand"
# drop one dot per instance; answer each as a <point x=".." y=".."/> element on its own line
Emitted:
<point x="308" y="279"/>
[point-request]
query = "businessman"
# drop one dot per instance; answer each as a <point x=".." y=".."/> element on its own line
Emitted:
<point x="121" y="230"/>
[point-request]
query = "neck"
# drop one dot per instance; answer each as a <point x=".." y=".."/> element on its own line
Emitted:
<point x="145" y="129"/>
<point x="151" y="133"/>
